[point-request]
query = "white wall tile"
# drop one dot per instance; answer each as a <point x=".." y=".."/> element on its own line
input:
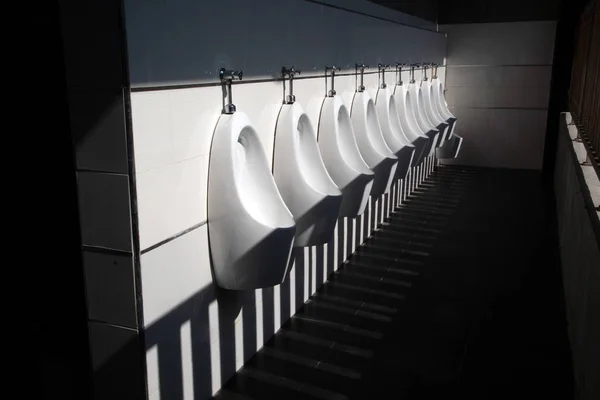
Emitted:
<point x="150" y="114"/>
<point x="171" y="199"/>
<point x="170" y="126"/>
<point x="174" y="272"/>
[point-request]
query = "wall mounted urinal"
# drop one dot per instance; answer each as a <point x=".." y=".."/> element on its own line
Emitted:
<point x="432" y="114"/>
<point x="370" y="141"/>
<point x="340" y="154"/>
<point x="417" y="103"/>
<point x="408" y="122"/>
<point x="452" y="149"/>
<point x="250" y="229"/>
<point x="307" y="189"/>
<point x="393" y="134"/>
<point x="442" y="106"/>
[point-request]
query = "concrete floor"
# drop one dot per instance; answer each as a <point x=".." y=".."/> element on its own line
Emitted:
<point x="457" y="295"/>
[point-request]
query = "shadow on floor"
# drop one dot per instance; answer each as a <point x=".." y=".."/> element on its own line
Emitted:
<point x="456" y="295"/>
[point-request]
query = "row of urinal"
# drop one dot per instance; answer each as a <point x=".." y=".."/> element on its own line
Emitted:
<point x="256" y="216"/>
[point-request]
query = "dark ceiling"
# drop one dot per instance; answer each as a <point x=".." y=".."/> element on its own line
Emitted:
<point x="476" y="11"/>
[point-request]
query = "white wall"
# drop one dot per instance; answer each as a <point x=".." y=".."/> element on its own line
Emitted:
<point x="498" y="85"/>
<point x="196" y="335"/>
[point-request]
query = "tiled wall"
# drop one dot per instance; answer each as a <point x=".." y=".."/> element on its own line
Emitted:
<point x="577" y="192"/>
<point x="98" y="93"/>
<point x="196" y="335"/>
<point x="498" y="85"/>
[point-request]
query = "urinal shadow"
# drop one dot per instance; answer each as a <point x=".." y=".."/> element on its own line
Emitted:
<point x="183" y="341"/>
<point x="384" y="172"/>
<point x="261" y="278"/>
<point x="316" y="221"/>
<point x="405" y="159"/>
<point x="421" y="144"/>
<point x="353" y="206"/>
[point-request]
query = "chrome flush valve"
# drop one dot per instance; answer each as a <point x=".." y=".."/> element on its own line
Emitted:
<point x="412" y="72"/>
<point x="361" y="68"/>
<point x="399" y="73"/>
<point x="381" y="71"/>
<point x="425" y="65"/>
<point x="227" y="76"/>
<point x="331" y="92"/>
<point x="290" y="98"/>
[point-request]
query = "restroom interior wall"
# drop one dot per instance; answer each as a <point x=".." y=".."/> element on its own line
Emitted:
<point x="490" y="11"/>
<point x="96" y="87"/>
<point x="498" y="86"/>
<point x="196" y="335"/>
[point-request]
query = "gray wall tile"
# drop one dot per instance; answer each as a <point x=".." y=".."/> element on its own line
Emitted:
<point x="523" y="43"/>
<point x="117" y="363"/>
<point x="98" y="129"/>
<point x="110" y="288"/>
<point x="501" y="138"/>
<point x="92" y="40"/>
<point x="104" y="210"/>
<point x="503" y="76"/>
<point x="499" y="89"/>
<point x="506" y="97"/>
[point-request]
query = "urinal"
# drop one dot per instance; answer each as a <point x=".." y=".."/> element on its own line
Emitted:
<point x="453" y="141"/>
<point x="305" y="186"/>
<point x="442" y="107"/>
<point x="417" y="102"/>
<point x="408" y="122"/>
<point x="370" y="141"/>
<point x="250" y="229"/>
<point x="342" y="158"/>
<point x="394" y="136"/>
<point x="432" y="114"/>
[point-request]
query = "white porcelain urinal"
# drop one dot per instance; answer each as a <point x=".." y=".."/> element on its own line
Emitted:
<point x="394" y="136"/>
<point x="371" y="143"/>
<point x="251" y="231"/>
<point x="408" y="121"/>
<point x="442" y="106"/>
<point x="304" y="184"/>
<point x="432" y="113"/>
<point x="451" y="147"/>
<point x="342" y="158"/>
<point x="416" y="95"/>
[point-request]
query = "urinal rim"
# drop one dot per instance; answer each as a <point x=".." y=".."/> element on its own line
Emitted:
<point x="237" y="122"/>
<point x="365" y="100"/>
<point x="336" y="105"/>
<point x="296" y="112"/>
